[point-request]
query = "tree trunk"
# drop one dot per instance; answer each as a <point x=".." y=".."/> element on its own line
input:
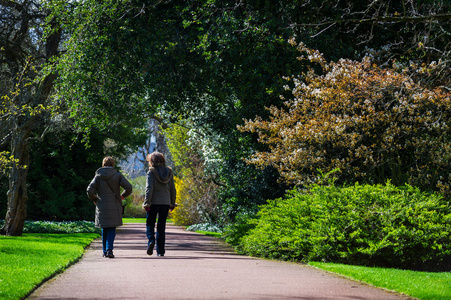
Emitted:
<point x="17" y="194"/>
<point x="27" y="93"/>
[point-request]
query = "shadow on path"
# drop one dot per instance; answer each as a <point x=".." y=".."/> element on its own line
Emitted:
<point x="194" y="267"/>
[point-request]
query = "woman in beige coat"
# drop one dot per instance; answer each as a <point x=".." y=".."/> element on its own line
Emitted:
<point x="104" y="191"/>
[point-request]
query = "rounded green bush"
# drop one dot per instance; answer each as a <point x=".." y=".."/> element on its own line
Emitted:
<point x="380" y="225"/>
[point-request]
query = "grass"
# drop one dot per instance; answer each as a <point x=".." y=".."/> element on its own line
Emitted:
<point x="139" y="220"/>
<point x="421" y="285"/>
<point x="133" y="220"/>
<point x="28" y="260"/>
<point x="209" y="233"/>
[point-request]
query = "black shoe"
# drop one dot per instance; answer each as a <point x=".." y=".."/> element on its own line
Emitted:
<point x="109" y="254"/>
<point x="150" y="248"/>
<point x="160" y="254"/>
<point x="104" y="255"/>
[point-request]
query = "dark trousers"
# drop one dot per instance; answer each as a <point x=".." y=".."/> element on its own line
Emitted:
<point x="162" y="211"/>
<point x="108" y="235"/>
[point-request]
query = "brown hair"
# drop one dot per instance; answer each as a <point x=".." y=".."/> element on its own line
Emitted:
<point x="108" y="162"/>
<point x="156" y="159"/>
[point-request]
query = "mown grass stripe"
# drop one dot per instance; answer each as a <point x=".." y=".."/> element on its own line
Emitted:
<point x="421" y="285"/>
<point x="27" y="261"/>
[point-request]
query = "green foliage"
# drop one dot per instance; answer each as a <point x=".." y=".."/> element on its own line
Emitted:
<point x="216" y="62"/>
<point x="186" y="58"/>
<point x="196" y="189"/>
<point x="59" y="227"/>
<point x="25" y="262"/>
<point x="379" y="225"/>
<point x="421" y="285"/>
<point x="234" y="232"/>
<point x="60" y="171"/>
<point x="133" y="208"/>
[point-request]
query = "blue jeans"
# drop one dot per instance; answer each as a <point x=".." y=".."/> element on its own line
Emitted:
<point x="162" y="211"/>
<point x="108" y="235"/>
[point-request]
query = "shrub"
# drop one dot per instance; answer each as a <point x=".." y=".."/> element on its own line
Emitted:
<point x="134" y="210"/>
<point x="380" y="225"/>
<point x="234" y="232"/>
<point x="59" y="227"/>
<point x="196" y="190"/>
<point x="133" y="203"/>
<point x="187" y="212"/>
<point x="204" y="227"/>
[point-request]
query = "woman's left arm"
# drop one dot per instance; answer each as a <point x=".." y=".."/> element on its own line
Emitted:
<point x="91" y="191"/>
<point x="126" y="185"/>
<point x="172" y="191"/>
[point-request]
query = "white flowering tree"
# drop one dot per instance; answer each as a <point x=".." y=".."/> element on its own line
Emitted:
<point x="372" y="123"/>
<point x="195" y="157"/>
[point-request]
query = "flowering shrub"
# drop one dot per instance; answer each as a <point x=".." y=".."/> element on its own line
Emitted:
<point x="379" y="225"/>
<point x="186" y="212"/>
<point x="59" y="227"/>
<point x="196" y="192"/>
<point x="372" y="123"/>
<point x="204" y="227"/>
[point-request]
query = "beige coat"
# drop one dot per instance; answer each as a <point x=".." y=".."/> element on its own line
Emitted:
<point x="105" y="189"/>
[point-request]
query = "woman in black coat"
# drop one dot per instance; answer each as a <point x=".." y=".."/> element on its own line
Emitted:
<point x="159" y="199"/>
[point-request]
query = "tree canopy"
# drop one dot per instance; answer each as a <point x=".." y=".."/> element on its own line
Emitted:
<point x="217" y="62"/>
<point x="112" y="65"/>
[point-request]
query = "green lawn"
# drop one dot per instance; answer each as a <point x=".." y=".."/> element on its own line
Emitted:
<point x="209" y="233"/>
<point x="421" y="285"/>
<point x="133" y="220"/>
<point x="28" y="260"/>
<point x="139" y="220"/>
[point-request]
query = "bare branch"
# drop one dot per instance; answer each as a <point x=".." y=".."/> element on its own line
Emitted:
<point x="403" y="19"/>
<point x="323" y="30"/>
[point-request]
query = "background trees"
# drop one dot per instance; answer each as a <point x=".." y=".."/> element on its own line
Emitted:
<point x="30" y="41"/>
<point x="217" y="62"/>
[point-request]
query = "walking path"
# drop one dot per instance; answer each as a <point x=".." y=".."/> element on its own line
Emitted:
<point x="194" y="267"/>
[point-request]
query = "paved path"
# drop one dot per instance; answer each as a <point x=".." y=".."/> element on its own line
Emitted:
<point x="194" y="267"/>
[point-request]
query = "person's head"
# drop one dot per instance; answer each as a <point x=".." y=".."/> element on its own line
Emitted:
<point x="108" y="162"/>
<point x="156" y="159"/>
